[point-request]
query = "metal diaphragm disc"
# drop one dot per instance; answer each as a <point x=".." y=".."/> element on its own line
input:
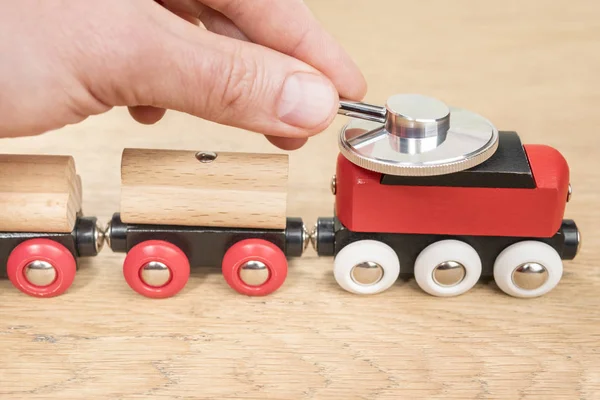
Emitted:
<point x="469" y="140"/>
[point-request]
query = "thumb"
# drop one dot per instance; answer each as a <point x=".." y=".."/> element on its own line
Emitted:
<point x="184" y="68"/>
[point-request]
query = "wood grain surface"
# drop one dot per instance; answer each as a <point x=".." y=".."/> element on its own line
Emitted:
<point x="38" y="193"/>
<point x="171" y="187"/>
<point x="529" y="66"/>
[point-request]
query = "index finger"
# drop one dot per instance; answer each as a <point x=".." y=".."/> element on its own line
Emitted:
<point x="289" y="27"/>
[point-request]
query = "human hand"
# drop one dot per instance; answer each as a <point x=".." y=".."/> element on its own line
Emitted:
<point x="263" y="65"/>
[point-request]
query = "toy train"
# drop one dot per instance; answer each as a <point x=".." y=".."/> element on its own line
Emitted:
<point x="421" y="191"/>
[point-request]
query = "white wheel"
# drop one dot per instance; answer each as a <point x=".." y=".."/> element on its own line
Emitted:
<point x="528" y="269"/>
<point x="366" y="267"/>
<point x="447" y="268"/>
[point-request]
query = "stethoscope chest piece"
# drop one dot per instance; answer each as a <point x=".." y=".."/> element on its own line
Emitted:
<point x="415" y="135"/>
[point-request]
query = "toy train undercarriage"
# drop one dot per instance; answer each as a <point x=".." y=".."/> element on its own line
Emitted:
<point x="254" y="261"/>
<point x="443" y="274"/>
<point x="261" y="267"/>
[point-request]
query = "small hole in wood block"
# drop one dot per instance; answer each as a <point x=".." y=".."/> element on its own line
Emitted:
<point x="206" y="156"/>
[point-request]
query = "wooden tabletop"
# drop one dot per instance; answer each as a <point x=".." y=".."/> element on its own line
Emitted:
<point x="532" y="67"/>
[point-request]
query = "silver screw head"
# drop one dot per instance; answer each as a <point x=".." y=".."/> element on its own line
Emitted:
<point x="206" y="156"/>
<point x="449" y="273"/>
<point x="254" y="273"/>
<point x="367" y="273"/>
<point x="333" y="185"/>
<point x="530" y="276"/>
<point x="155" y="274"/>
<point x="40" y="273"/>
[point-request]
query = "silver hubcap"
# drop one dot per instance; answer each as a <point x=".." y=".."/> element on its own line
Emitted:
<point x="155" y="274"/>
<point x="40" y="273"/>
<point x="254" y="273"/>
<point x="530" y="276"/>
<point x="367" y="273"/>
<point x="449" y="273"/>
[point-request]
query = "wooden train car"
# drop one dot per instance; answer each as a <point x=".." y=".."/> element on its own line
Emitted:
<point x="42" y="228"/>
<point x="500" y="219"/>
<point x="181" y="209"/>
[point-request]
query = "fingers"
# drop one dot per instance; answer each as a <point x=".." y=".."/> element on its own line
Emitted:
<point x="287" y="144"/>
<point x="216" y="22"/>
<point x="289" y="27"/>
<point x="150" y="115"/>
<point x="193" y="12"/>
<point x="212" y="20"/>
<point x="147" y="115"/>
<point x="224" y="80"/>
<point x="304" y="31"/>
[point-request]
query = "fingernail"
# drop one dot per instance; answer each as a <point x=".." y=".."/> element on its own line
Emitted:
<point x="307" y="100"/>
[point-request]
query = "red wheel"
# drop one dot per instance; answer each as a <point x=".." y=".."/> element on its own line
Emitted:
<point x="156" y="269"/>
<point x="255" y="267"/>
<point x="41" y="268"/>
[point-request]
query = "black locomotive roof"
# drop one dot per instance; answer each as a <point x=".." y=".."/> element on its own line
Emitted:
<point x="507" y="168"/>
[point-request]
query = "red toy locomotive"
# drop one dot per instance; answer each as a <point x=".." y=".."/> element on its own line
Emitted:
<point x="426" y="191"/>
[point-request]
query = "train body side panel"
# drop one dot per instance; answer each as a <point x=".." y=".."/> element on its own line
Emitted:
<point x="363" y="204"/>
